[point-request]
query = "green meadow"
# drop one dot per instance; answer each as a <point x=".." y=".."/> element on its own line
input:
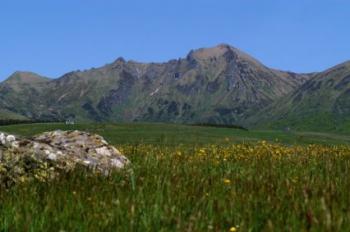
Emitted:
<point x="189" y="178"/>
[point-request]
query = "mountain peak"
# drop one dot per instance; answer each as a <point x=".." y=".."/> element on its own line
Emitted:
<point x="25" y="77"/>
<point x="212" y="52"/>
<point x="224" y="50"/>
<point x="119" y="60"/>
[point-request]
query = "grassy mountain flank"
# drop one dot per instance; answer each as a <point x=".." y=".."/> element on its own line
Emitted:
<point x="322" y="103"/>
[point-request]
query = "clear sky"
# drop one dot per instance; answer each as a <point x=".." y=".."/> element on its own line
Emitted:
<point x="58" y="36"/>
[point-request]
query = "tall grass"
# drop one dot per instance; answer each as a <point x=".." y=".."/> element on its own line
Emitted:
<point x="260" y="187"/>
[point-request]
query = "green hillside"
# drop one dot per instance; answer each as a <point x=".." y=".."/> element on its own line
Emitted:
<point x="320" y="104"/>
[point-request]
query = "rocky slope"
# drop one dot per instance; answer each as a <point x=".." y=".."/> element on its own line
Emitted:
<point x="215" y="85"/>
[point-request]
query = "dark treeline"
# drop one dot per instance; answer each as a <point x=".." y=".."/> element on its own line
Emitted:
<point x="4" y="122"/>
<point x="221" y="126"/>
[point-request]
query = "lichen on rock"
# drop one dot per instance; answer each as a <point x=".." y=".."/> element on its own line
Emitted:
<point x="44" y="156"/>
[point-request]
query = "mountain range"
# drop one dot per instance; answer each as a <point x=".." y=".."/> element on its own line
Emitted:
<point x="218" y="85"/>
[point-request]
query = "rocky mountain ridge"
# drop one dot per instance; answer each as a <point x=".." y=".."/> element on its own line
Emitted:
<point x="210" y="85"/>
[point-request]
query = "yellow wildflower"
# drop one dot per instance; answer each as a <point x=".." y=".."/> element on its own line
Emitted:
<point x="233" y="229"/>
<point x="227" y="181"/>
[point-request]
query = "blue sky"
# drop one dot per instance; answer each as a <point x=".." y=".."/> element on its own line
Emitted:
<point x="55" y="37"/>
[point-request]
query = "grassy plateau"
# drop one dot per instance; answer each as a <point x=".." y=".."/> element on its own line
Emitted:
<point x="189" y="178"/>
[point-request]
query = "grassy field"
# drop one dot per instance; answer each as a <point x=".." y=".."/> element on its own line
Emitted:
<point x="186" y="178"/>
<point x="171" y="134"/>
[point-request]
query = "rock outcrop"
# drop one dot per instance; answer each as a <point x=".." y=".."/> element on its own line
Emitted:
<point x="46" y="155"/>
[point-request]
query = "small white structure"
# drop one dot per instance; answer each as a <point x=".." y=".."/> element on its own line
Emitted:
<point x="70" y="121"/>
